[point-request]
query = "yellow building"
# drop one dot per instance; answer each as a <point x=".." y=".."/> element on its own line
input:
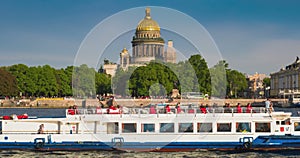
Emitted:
<point x="286" y="81"/>
<point x="256" y="85"/>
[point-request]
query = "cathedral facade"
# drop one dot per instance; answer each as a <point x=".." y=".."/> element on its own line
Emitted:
<point x="147" y="45"/>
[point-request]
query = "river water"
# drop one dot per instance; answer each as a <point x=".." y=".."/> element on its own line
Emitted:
<point x="113" y="154"/>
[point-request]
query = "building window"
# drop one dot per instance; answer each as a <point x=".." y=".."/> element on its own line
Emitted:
<point x="262" y="127"/>
<point x="223" y="127"/>
<point x="148" y="127"/>
<point x="166" y="127"/>
<point x="112" y="128"/>
<point x="185" y="128"/>
<point x="243" y="127"/>
<point x="204" y="127"/>
<point x="129" y="127"/>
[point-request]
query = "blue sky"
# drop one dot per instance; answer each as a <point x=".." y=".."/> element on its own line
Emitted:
<point x="252" y="35"/>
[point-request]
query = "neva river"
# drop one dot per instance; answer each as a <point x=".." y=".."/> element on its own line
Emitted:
<point x="57" y="154"/>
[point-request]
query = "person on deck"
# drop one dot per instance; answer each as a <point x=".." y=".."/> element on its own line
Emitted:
<point x="168" y="109"/>
<point x="71" y="111"/>
<point x="191" y="110"/>
<point x="239" y="108"/>
<point x="41" y="129"/>
<point x="267" y="105"/>
<point x="203" y="109"/>
<point x="152" y="109"/>
<point x="249" y="108"/>
<point x="75" y="109"/>
<point x="178" y="108"/>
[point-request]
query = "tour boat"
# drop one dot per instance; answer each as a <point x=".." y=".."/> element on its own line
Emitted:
<point x="153" y="129"/>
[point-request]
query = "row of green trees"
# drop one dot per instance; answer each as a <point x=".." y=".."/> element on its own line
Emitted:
<point x="193" y="75"/>
<point x="21" y="80"/>
<point x="154" y="79"/>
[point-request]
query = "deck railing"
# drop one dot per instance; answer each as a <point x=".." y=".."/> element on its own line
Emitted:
<point x="162" y="110"/>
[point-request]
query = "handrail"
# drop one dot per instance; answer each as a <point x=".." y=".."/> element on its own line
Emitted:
<point x="173" y="110"/>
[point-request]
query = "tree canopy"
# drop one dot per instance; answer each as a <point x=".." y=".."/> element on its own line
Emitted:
<point x="154" y="79"/>
<point x="8" y="84"/>
<point x="49" y="82"/>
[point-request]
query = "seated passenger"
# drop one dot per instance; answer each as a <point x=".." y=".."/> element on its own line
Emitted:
<point x="168" y="109"/>
<point x="152" y="109"/>
<point x="41" y="129"/>
<point x="75" y="109"/>
<point x="71" y="111"/>
<point x="227" y="108"/>
<point x="178" y="108"/>
<point x="249" y="108"/>
<point x="203" y="109"/>
<point x="238" y="108"/>
<point x="191" y="110"/>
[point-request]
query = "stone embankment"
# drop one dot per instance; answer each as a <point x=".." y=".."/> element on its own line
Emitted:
<point x="65" y="103"/>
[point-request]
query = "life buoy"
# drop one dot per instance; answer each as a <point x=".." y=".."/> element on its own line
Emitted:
<point x="39" y="145"/>
<point x="247" y="145"/>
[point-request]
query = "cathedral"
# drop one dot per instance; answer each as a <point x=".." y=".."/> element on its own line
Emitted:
<point x="147" y="45"/>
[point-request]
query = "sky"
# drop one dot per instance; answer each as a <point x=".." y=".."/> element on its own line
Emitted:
<point x="251" y="35"/>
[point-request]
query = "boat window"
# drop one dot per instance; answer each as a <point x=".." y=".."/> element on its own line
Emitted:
<point x="224" y="127"/>
<point x="297" y="126"/>
<point x="262" y="127"/>
<point x="286" y="122"/>
<point x="166" y="127"/>
<point x="129" y="127"/>
<point x="112" y="128"/>
<point x="243" y="127"/>
<point x="185" y="128"/>
<point x="277" y="123"/>
<point x="204" y="127"/>
<point x="148" y="127"/>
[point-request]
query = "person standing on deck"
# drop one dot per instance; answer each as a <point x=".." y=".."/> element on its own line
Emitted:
<point x="267" y="105"/>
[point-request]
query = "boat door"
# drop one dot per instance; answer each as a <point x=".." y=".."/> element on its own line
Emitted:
<point x="283" y="127"/>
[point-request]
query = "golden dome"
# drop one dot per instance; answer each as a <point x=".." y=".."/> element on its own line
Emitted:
<point x="147" y="24"/>
<point x="124" y="51"/>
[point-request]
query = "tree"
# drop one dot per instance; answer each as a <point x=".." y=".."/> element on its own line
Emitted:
<point x="155" y="74"/>
<point x="103" y="83"/>
<point x="267" y="82"/>
<point x="83" y="81"/>
<point x="120" y="82"/>
<point x="236" y="82"/>
<point x="8" y="84"/>
<point x="46" y="83"/>
<point x="64" y="82"/>
<point x="218" y="79"/>
<point x="20" y="72"/>
<point x="202" y="72"/>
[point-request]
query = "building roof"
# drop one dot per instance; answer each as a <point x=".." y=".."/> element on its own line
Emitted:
<point x="147" y="24"/>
